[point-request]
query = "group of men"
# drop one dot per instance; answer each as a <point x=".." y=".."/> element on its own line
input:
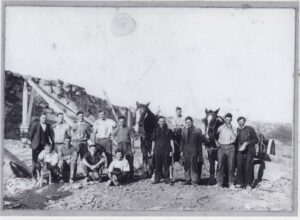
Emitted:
<point x="235" y="151"/>
<point x="59" y="147"/>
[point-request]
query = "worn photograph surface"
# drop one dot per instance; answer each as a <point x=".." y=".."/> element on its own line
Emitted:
<point x="148" y="109"/>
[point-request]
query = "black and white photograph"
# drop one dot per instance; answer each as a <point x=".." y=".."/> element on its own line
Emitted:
<point x="149" y="109"/>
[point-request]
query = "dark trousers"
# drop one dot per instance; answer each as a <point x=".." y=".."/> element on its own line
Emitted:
<point x="64" y="165"/>
<point x="53" y="169"/>
<point x="96" y="172"/>
<point x="121" y="176"/>
<point x="191" y="166"/>
<point x="35" y="154"/>
<point x="226" y="164"/>
<point x="245" y="166"/>
<point x="177" y="147"/>
<point x="161" y="166"/>
<point x="81" y="148"/>
<point x="212" y="158"/>
<point x="106" y="145"/>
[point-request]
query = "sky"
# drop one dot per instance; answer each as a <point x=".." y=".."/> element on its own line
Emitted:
<point x="241" y="61"/>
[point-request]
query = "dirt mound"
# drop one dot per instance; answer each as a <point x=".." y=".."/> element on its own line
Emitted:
<point x="72" y="95"/>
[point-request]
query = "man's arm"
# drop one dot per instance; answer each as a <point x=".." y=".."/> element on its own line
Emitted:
<point x="102" y="160"/>
<point x="152" y="148"/>
<point x="254" y="139"/>
<point x="84" y="162"/>
<point x="113" y="136"/>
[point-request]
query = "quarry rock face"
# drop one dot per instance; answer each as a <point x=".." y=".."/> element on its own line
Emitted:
<point x="68" y="94"/>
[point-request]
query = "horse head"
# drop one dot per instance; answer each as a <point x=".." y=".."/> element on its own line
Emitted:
<point x="140" y="115"/>
<point x="211" y="121"/>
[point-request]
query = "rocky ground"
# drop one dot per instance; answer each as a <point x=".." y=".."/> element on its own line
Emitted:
<point x="273" y="193"/>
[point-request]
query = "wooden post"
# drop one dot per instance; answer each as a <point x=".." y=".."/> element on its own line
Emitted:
<point x="24" y="125"/>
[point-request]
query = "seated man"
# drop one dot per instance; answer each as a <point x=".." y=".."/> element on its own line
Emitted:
<point x="67" y="158"/>
<point x="118" y="169"/>
<point x="48" y="159"/>
<point x="93" y="163"/>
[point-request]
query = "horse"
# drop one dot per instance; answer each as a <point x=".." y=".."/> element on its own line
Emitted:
<point x="145" y="123"/>
<point x="212" y="122"/>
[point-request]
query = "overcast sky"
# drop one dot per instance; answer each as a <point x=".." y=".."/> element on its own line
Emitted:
<point x="238" y="60"/>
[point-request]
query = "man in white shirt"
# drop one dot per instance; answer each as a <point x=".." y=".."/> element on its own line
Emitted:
<point x="48" y="158"/>
<point x="102" y="130"/>
<point x="226" y="152"/>
<point x="178" y="124"/>
<point x="118" y="169"/>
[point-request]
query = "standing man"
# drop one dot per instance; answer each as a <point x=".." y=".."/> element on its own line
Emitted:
<point x="123" y="138"/>
<point x="102" y="134"/>
<point x="80" y="134"/>
<point x="162" y="149"/>
<point x="40" y="134"/>
<point x="226" y="152"/>
<point x="191" y="150"/>
<point x="67" y="157"/>
<point x="60" y="129"/>
<point x="246" y="140"/>
<point x="177" y="124"/>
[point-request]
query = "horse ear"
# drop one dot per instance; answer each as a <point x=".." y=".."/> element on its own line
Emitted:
<point x="137" y="103"/>
<point x="217" y="111"/>
<point x="206" y="111"/>
<point x="148" y="104"/>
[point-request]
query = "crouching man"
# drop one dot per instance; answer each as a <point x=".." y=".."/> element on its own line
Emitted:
<point x="118" y="170"/>
<point x="48" y="159"/>
<point x="93" y="163"/>
<point x="67" y="160"/>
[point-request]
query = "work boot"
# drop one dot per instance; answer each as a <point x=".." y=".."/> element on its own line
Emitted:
<point x="185" y="183"/>
<point x="211" y="179"/>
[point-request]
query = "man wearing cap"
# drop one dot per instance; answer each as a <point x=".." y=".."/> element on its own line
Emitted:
<point x="122" y="137"/>
<point x="191" y="150"/>
<point x="102" y="130"/>
<point x="226" y="152"/>
<point x="60" y="129"/>
<point x="246" y="140"/>
<point x="178" y="124"/>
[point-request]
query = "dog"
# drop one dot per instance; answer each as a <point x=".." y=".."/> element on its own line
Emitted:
<point x="42" y="174"/>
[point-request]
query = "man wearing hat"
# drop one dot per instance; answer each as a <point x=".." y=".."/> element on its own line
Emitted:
<point x="178" y="124"/>
<point x="246" y="140"/>
<point x="226" y="152"/>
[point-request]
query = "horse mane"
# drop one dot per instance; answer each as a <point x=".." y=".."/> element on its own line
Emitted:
<point x="150" y="121"/>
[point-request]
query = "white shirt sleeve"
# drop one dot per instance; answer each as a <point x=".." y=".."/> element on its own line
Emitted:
<point x="111" y="167"/>
<point x="41" y="156"/>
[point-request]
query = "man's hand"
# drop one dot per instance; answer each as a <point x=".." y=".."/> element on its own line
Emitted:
<point x="181" y="154"/>
<point x="171" y="154"/>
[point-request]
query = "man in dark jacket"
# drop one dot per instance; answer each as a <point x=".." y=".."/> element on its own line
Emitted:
<point x="191" y="148"/>
<point x="162" y="149"/>
<point x="40" y="134"/>
<point x="246" y="136"/>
